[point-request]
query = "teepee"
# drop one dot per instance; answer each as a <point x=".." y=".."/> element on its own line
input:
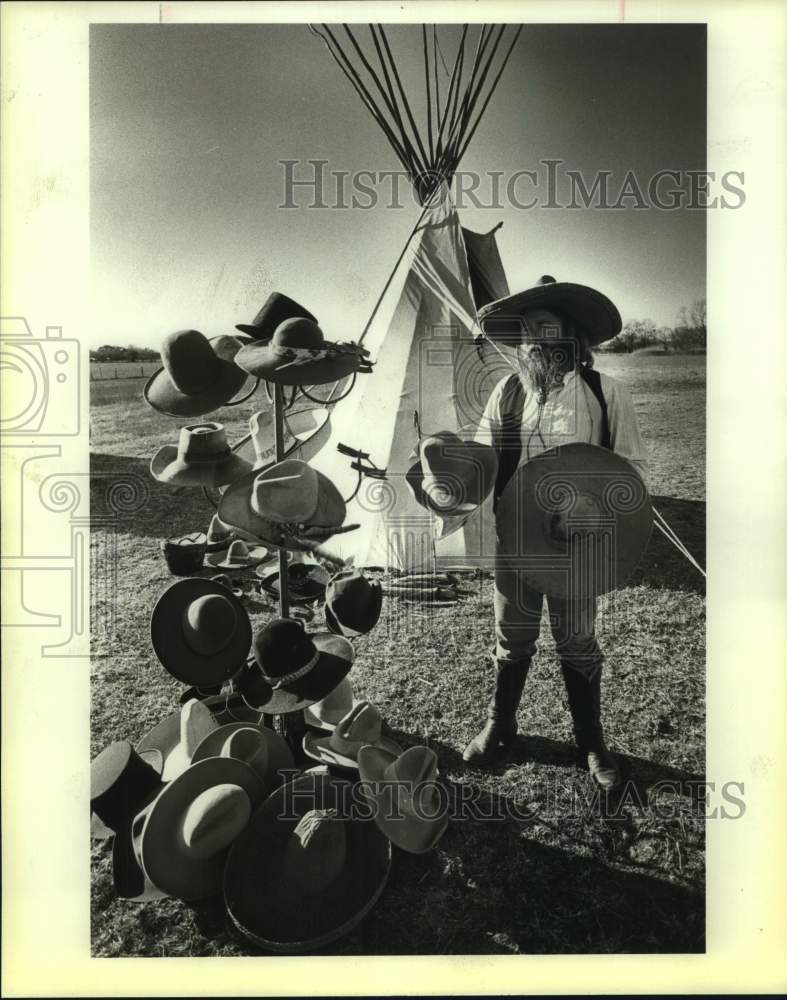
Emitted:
<point x="429" y="374"/>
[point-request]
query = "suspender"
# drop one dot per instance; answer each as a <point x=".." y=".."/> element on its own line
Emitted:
<point x="508" y="439"/>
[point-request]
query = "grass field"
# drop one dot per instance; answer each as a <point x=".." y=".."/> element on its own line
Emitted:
<point x="558" y="870"/>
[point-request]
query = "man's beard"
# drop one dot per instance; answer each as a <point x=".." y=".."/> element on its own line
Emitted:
<point x="543" y="367"/>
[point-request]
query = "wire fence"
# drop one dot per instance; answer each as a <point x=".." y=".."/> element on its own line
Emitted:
<point x="100" y="372"/>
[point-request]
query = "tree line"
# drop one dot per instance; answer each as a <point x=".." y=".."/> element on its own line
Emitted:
<point x="688" y="334"/>
<point x="111" y="352"/>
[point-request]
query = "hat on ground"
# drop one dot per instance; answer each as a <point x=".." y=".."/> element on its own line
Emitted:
<point x="238" y="556"/>
<point x="200" y="632"/>
<point x="178" y="736"/>
<point x="299" y="354"/>
<point x="183" y="837"/>
<point x="283" y="503"/>
<point x="122" y="783"/>
<point x="225" y="581"/>
<point x="330" y="710"/>
<point x="293" y="668"/>
<point x="219" y="535"/>
<point x="264" y="751"/>
<point x="184" y="555"/>
<point x="305" y="872"/>
<point x="502" y="320"/>
<point x="574" y="521"/>
<point x="305" y="581"/>
<point x="198" y="375"/>
<point x="403" y="788"/>
<point x="352" y="604"/>
<point x="361" y="726"/>
<point x="275" y="311"/>
<point x="452" y="477"/>
<point x="201" y="458"/>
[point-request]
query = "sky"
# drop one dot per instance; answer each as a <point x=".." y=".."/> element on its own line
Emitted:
<point x="190" y="125"/>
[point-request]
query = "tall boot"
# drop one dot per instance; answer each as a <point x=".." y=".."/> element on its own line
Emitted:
<point x="501" y="725"/>
<point x="584" y="700"/>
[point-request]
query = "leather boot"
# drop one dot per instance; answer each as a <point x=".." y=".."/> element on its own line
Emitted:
<point x="584" y="700"/>
<point x="501" y="725"/>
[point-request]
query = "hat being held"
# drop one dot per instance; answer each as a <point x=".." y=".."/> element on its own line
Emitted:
<point x="238" y="556"/>
<point x="200" y="632"/>
<point x="198" y="375"/>
<point x="453" y="477"/>
<point x="361" y="726"/>
<point x="266" y="753"/>
<point x="352" y="604"/>
<point x="330" y="710"/>
<point x="201" y="458"/>
<point x="276" y="309"/>
<point x="503" y="320"/>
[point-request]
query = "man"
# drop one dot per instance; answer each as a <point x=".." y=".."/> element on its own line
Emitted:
<point x="555" y="399"/>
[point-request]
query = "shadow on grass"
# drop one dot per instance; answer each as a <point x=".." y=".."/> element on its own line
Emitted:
<point x="662" y="565"/>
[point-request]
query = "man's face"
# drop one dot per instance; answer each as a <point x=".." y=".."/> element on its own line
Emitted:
<point x="542" y="326"/>
<point x="544" y="355"/>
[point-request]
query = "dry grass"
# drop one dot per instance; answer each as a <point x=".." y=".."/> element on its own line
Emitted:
<point x="558" y="870"/>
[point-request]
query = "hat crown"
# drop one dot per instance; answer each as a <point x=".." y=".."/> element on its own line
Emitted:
<point x="456" y="472"/>
<point x="316" y="850"/>
<point x="362" y="724"/>
<point x="214" y="819"/>
<point x="189" y="360"/>
<point x="196" y="721"/>
<point x="249" y="745"/>
<point x="286" y="492"/>
<point x="205" y="442"/>
<point x="217" y="529"/>
<point x="237" y="550"/>
<point x="299" y="333"/>
<point x="546" y="279"/>
<point x="414" y="766"/>
<point x="119" y="779"/>
<point x="209" y="622"/>
<point x="283" y="647"/>
<point x="276" y="309"/>
<point x="338" y="700"/>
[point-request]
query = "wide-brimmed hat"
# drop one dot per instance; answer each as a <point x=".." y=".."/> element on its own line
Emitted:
<point x="275" y="311"/>
<point x="282" y="504"/>
<point x="202" y="457"/>
<point x="305" y="871"/>
<point x="452" y="477"/>
<point x="299" y="354"/>
<point x="326" y="713"/>
<point x="266" y="753"/>
<point x="200" y="632"/>
<point x="593" y="312"/>
<point x="219" y="536"/>
<point x="305" y="431"/>
<point x="306" y="581"/>
<point x="238" y="556"/>
<point x="574" y="521"/>
<point x="198" y="375"/>
<point x="121" y="783"/>
<point x="293" y="668"/>
<point x="409" y="808"/>
<point x="361" y="726"/>
<point x="352" y="603"/>
<point x="178" y="735"/>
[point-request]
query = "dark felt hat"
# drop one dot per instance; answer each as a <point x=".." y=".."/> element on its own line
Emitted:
<point x="352" y="604"/>
<point x="275" y="311"/>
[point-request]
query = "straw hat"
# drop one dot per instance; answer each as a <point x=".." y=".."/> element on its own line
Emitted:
<point x="238" y="556"/>
<point x="200" y="632"/>
<point x="178" y="736"/>
<point x="594" y="312"/>
<point x="352" y="604"/>
<point x="198" y="374"/>
<point x="304" y="872"/>
<point x="299" y="354"/>
<point x="361" y="726"/>
<point x="264" y="751"/>
<point x="415" y="820"/>
<point x="574" y="521"/>
<point x="326" y="713"/>
<point x="293" y="668"/>
<point x="201" y="458"/>
<point x="275" y="311"/>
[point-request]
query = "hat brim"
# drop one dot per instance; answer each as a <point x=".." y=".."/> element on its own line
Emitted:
<point x="170" y="645"/>
<point x="129" y="877"/>
<point x="333" y="665"/>
<point x="371" y="616"/>
<point x="319" y="749"/>
<point x="325" y="725"/>
<point x="167" y="467"/>
<point x="597" y="561"/>
<point x="411" y="833"/>
<point x="277" y="915"/>
<point x="220" y="560"/>
<point x="308" y="589"/>
<point x="591" y="310"/>
<point x="279" y="755"/>
<point x="163" y="395"/>
<point x="261" y="361"/>
<point x="165" y="858"/>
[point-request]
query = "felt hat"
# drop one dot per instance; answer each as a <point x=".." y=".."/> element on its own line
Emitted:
<point x="276" y="309"/>
<point x="352" y="604"/>
<point x="305" y="871"/>
<point x="198" y="375"/>
<point x="184" y="835"/>
<point x="402" y="787"/>
<point x="293" y="668"/>
<point x="306" y="581"/>
<point x="202" y="458"/>
<point x="361" y="726"/>
<point x="264" y="751"/>
<point x="121" y="783"/>
<point x="574" y="521"/>
<point x="219" y="535"/>
<point x="178" y="736"/>
<point x="200" y="632"/>
<point x="237" y="556"/>
<point x="452" y="477"/>
<point x="282" y="504"/>
<point x="299" y="354"/>
<point x="326" y="713"/>
<point x="502" y="320"/>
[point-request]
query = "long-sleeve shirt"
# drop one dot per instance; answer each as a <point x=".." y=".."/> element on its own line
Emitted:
<point x="571" y="414"/>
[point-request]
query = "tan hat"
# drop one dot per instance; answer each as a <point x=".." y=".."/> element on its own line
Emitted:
<point x="178" y="736"/>
<point x="202" y="458"/>
<point x="266" y="753"/>
<point x="305" y="432"/>
<point x="417" y="819"/>
<point x="361" y="726"/>
<point x="238" y="556"/>
<point x="325" y="714"/>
